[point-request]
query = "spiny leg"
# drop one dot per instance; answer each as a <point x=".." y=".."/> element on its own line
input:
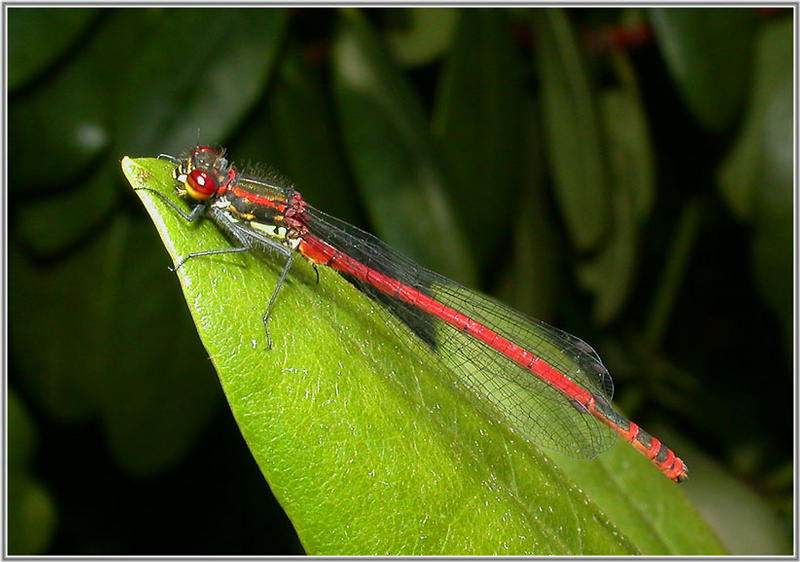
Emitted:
<point x="288" y="255"/>
<point x="197" y="210"/>
<point x="187" y="257"/>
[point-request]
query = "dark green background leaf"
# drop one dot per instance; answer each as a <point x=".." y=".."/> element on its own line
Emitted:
<point x="573" y="129"/>
<point x="31" y="511"/>
<point x="483" y="153"/>
<point x="708" y="52"/>
<point x="36" y="39"/>
<point x="392" y="157"/>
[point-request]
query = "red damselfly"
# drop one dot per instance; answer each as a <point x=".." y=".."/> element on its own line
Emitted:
<point x="548" y="385"/>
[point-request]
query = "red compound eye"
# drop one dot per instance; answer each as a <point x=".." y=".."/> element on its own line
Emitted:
<point x="200" y="185"/>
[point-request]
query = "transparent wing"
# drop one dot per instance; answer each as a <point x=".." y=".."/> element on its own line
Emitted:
<point x="494" y="382"/>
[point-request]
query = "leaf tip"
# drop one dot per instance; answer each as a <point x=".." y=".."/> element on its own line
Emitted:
<point x="136" y="174"/>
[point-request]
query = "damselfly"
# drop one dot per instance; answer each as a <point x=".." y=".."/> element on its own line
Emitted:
<point x="547" y="385"/>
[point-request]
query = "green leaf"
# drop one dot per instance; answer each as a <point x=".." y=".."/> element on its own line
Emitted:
<point x="675" y="264"/>
<point x="391" y="153"/>
<point x="742" y="518"/>
<point x="21" y="434"/>
<point x="425" y="37"/>
<point x="532" y="278"/>
<point x="573" y="131"/>
<point x="31" y="512"/>
<point x="756" y="178"/>
<point x="611" y="272"/>
<point x="41" y="223"/>
<point x="368" y="449"/>
<point x="204" y="69"/>
<point x="69" y="116"/>
<point x="477" y="125"/>
<point x="32" y="516"/>
<point x="38" y="36"/>
<point x="92" y="368"/>
<point x="138" y="387"/>
<point x="301" y="122"/>
<point x="44" y="302"/>
<point x="708" y="52"/>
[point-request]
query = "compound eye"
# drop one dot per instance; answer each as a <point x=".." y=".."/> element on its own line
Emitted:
<point x="200" y="185"/>
<point x="204" y="156"/>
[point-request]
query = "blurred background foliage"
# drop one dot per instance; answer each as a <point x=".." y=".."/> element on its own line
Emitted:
<point x="625" y="174"/>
